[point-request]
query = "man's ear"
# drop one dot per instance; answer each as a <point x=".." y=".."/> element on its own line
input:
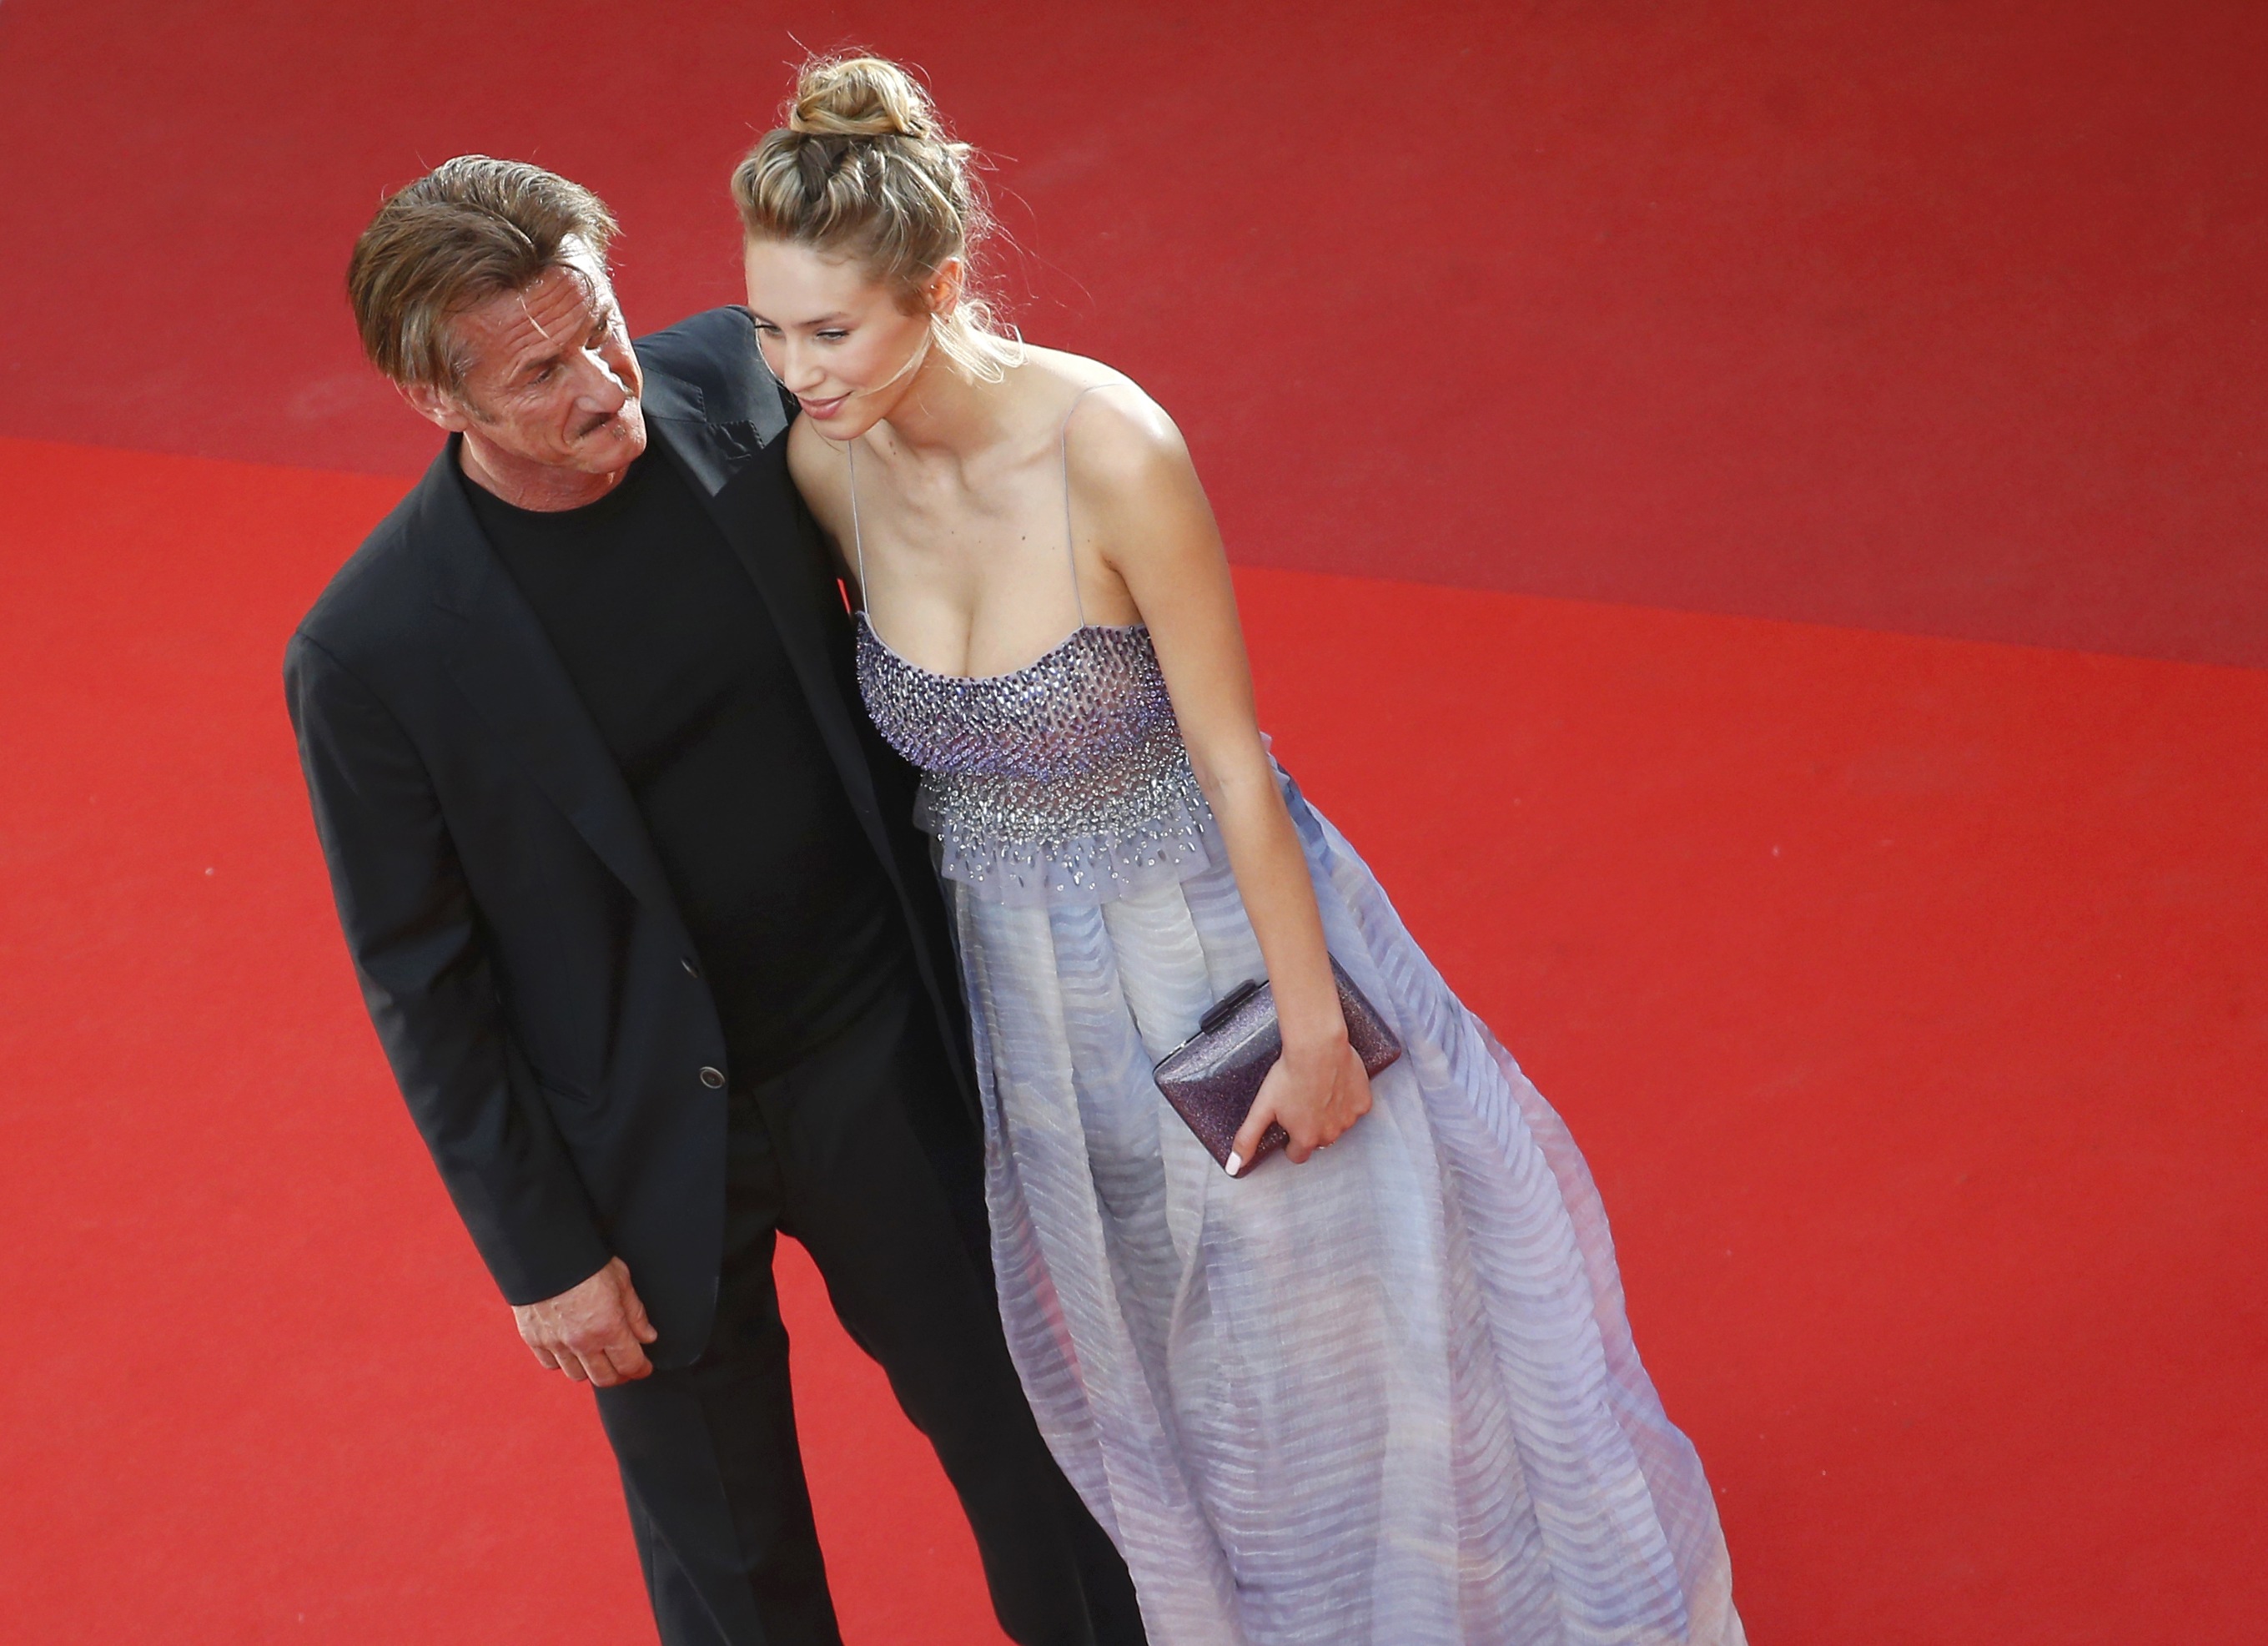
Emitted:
<point x="436" y="406"/>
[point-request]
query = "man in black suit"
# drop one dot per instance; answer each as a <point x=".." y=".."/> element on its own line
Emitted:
<point x="638" y="913"/>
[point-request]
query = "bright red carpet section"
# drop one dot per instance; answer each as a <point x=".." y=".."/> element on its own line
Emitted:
<point x="1908" y="996"/>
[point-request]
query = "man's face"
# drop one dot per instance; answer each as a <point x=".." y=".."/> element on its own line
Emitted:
<point x="551" y="382"/>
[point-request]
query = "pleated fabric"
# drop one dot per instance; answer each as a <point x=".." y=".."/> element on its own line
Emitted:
<point x="1388" y="1398"/>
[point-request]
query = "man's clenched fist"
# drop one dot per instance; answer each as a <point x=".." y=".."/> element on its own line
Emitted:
<point x="596" y="1330"/>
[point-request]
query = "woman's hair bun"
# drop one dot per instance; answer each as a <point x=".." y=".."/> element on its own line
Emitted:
<point x="903" y="210"/>
<point x="859" y="97"/>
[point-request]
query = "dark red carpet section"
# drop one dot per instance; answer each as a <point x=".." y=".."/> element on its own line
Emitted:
<point x="1907" y="994"/>
<point x="1942" y="318"/>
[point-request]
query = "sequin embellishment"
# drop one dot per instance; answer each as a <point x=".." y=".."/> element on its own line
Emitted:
<point x="1065" y="780"/>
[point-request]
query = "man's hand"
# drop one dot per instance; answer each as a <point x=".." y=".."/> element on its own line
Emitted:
<point x="596" y="1330"/>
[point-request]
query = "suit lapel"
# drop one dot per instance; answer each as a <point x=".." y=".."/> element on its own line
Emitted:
<point x="507" y="668"/>
<point x="740" y="472"/>
<point x="740" y="469"/>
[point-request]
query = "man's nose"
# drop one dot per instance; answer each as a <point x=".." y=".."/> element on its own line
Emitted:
<point x="601" y="389"/>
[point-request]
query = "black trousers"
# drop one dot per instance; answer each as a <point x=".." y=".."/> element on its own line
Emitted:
<point x="832" y="1154"/>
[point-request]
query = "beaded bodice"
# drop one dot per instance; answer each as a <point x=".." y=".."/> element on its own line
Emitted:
<point x="1063" y="780"/>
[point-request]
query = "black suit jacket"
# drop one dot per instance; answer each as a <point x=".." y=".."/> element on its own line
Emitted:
<point x="520" y="953"/>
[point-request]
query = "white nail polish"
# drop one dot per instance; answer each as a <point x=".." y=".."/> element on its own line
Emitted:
<point x="1235" y="1162"/>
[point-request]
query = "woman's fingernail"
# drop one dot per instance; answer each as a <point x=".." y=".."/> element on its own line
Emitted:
<point x="1235" y="1162"/>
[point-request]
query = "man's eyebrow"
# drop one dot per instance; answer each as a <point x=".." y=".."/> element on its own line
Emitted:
<point x="535" y="361"/>
<point x="602" y="319"/>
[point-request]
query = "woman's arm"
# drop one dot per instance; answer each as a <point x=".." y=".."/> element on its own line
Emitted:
<point x="1137" y="495"/>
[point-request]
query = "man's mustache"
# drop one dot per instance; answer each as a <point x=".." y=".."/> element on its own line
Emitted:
<point x="598" y="423"/>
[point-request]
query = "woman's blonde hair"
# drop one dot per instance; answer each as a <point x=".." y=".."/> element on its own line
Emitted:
<point x="863" y="169"/>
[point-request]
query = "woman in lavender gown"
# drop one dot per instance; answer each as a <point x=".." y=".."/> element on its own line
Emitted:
<point x="1380" y="1392"/>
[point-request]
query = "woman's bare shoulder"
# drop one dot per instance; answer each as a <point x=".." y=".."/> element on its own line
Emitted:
<point x="1131" y="478"/>
<point x="810" y="452"/>
<point x="1117" y="433"/>
<point x="816" y="463"/>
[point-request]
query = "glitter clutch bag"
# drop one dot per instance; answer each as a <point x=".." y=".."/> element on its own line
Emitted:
<point x="1212" y="1077"/>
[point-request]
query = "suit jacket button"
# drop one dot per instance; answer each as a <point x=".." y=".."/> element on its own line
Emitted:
<point x="691" y="970"/>
<point x="711" y="1078"/>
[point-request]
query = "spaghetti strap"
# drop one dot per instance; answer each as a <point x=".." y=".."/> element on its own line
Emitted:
<point x="857" y="540"/>
<point x="1070" y="543"/>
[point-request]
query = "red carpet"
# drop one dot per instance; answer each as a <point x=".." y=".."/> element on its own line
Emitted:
<point x="1934" y="318"/>
<point x="1907" y="994"/>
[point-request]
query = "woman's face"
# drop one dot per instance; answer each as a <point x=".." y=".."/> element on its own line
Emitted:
<point x="836" y="337"/>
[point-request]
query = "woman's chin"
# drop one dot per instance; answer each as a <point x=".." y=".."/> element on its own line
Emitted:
<point x="842" y="419"/>
<point x="845" y="418"/>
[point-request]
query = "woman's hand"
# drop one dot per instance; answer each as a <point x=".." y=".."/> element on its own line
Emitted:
<point x="1316" y="1092"/>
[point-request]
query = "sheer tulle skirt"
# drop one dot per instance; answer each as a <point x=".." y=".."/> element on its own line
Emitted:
<point x="1388" y="1398"/>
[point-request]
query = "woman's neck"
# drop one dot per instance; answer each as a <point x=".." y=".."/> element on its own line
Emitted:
<point x="945" y="414"/>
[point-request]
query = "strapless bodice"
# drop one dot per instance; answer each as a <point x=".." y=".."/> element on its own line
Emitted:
<point x="1063" y="780"/>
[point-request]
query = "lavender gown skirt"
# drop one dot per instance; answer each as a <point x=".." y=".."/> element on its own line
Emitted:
<point x="1388" y="1398"/>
